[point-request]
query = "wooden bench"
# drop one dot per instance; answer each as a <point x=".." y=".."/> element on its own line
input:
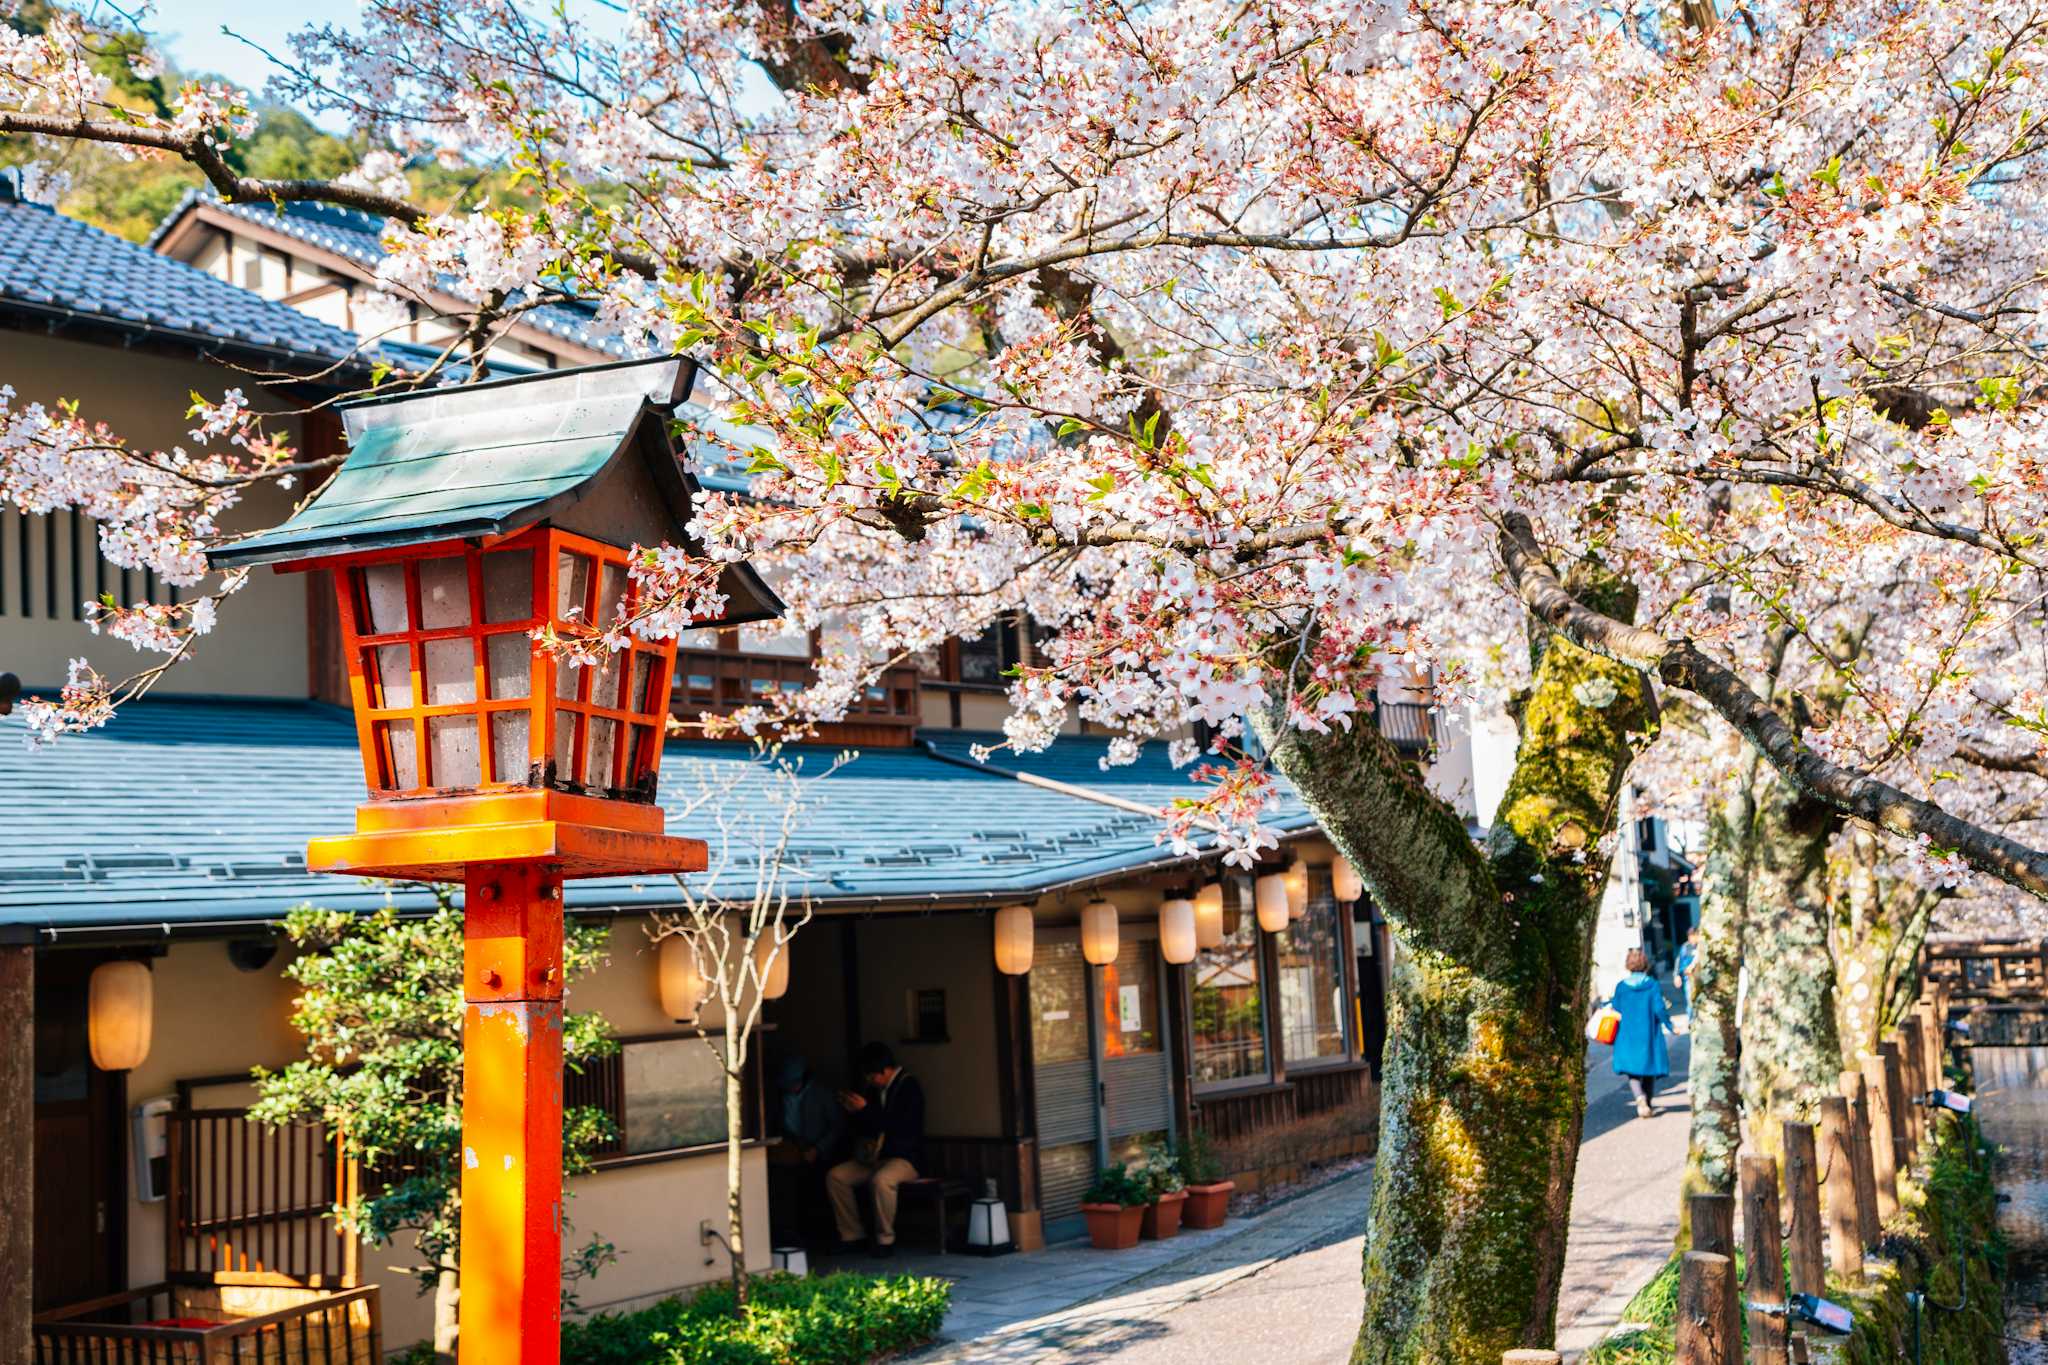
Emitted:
<point x="939" y="1192"/>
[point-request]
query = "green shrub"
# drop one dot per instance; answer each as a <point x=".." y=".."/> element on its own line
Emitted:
<point x="1198" y="1163"/>
<point x="1117" y="1185"/>
<point x="842" y="1319"/>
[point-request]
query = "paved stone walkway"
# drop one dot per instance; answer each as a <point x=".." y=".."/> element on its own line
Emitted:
<point x="1047" y="1305"/>
<point x="1282" y="1287"/>
<point x="1624" y="1199"/>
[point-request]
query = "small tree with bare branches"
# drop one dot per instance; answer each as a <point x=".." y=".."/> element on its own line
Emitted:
<point x="738" y="918"/>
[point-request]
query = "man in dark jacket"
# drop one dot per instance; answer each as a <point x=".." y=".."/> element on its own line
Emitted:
<point x="888" y="1127"/>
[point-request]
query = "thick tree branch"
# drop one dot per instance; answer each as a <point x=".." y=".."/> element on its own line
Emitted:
<point x="1410" y="848"/>
<point x="1679" y="663"/>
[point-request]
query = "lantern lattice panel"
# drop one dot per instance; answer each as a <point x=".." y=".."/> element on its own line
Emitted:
<point x="451" y="694"/>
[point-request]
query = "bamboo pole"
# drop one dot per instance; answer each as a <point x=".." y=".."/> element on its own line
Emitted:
<point x="1884" y="1159"/>
<point x="1705" y="1332"/>
<point x="1713" y="1232"/>
<point x="1865" y="1168"/>
<point x="1764" y="1260"/>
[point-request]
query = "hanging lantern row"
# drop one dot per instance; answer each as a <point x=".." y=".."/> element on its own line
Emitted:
<point x="1187" y="924"/>
<point x="681" y="985"/>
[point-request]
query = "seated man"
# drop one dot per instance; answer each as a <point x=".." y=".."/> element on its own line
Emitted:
<point x="888" y="1126"/>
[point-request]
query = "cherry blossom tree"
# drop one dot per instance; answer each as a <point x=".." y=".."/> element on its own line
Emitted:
<point x="1255" y="350"/>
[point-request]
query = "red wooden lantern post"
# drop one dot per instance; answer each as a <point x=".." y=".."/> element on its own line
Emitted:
<point x="462" y="522"/>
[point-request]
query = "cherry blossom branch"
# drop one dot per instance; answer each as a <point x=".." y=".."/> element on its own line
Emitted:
<point x="196" y="148"/>
<point x="2035" y="763"/>
<point x="1679" y="663"/>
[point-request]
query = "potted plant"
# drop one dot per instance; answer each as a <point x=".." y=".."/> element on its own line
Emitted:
<point x="1161" y="1173"/>
<point x="1208" y="1194"/>
<point x="1114" y="1206"/>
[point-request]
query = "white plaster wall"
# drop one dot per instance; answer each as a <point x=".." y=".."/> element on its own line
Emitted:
<point x="259" y="649"/>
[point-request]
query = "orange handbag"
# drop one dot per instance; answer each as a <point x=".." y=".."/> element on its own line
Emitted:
<point x="1606" y="1024"/>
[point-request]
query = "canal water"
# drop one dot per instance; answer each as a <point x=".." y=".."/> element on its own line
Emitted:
<point x="2012" y="1104"/>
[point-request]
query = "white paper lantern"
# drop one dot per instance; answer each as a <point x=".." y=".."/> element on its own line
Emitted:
<point x="1098" y="932"/>
<point x="120" y="1014"/>
<point x="1297" y="889"/>
<point x="678" y="979"/>
<point x="1269" y="898"/>
<point x="774" y="975"/>
<point x="1177" y="930"/>
<point x="1209" y="916"/>
<point x="1345" y="882"/>
<point x="1014" y="934"/>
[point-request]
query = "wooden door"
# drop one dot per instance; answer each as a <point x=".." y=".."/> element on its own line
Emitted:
<point x="1100" y="1064"/>
<point x="1063" y="1082"/>
<point x="1137" y="1089"/>
<point x="80" y="1201"/>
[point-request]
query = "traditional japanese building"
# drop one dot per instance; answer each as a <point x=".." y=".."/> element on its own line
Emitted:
<point x="175" y="837"/>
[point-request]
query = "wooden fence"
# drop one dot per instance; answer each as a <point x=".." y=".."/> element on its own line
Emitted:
<point x="1839" y="1181"/>
<point x="244" y="1320"/>
<point x="1988" y="970"/>
<point x="248" y="1197"/>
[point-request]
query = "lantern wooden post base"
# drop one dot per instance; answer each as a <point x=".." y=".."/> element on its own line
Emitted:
<point x="511" y="1312"/>
<point x="511" y="851"/>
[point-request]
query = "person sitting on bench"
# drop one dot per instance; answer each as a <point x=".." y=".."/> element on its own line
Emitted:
<point x="888" y="1126"/>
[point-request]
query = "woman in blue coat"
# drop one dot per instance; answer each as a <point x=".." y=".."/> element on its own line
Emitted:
<point x="1639" y="1043"/>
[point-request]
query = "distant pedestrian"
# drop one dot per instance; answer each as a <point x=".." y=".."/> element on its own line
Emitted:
<point x="1639" y="1052"/>
<point x="1688" y="953"/>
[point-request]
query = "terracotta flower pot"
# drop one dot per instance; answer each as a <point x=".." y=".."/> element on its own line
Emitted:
<point x="1208" y="1205"/>
<point x="1162" y="1216"/>
<point x="1113" y="1227"/>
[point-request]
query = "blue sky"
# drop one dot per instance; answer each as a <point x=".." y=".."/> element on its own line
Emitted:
<point x="190" y="32"/>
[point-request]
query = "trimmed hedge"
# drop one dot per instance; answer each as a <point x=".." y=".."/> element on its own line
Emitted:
<point x="843" y="1319"/>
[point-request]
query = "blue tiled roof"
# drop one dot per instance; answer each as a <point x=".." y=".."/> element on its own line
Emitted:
<point x="54" y="266"/>
<point x="359" y="236"/>
<point x="1077" y="761"/>
<point x="196" y="813"/>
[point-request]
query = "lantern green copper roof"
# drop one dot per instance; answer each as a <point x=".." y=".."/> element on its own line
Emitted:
<point x="474" y="460"/>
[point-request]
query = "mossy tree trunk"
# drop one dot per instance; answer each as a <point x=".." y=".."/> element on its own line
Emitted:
<point x="1484" y="1083"/>
<point x="1714" y="1082"/>
<point x="1879" y="926"/>
<point x="1791" y="1050"/>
